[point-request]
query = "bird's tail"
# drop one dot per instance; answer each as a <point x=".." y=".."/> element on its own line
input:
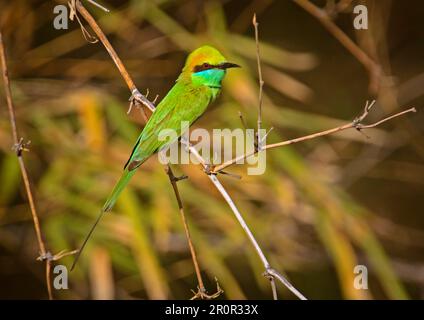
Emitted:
<point x="110" y="202"/>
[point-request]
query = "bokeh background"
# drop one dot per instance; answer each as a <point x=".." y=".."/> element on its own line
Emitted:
<point x="322" y="206"/>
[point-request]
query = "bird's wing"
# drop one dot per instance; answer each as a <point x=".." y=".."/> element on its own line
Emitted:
<point x="182" y="103"/>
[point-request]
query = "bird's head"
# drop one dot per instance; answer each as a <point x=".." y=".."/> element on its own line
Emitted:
<point x="207" y="66"/>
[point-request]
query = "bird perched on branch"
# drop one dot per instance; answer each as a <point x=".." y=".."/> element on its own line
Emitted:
<point x="197" y="86"/>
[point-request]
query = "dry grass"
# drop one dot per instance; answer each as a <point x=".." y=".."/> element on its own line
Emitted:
<point x="81" y="136"/>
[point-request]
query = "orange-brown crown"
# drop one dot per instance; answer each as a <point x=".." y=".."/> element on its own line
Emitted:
<point x="204" y="54"/>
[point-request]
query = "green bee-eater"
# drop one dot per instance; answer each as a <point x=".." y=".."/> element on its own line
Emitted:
<point x="197" y="86"/>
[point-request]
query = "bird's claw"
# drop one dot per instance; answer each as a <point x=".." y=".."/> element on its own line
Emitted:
<point x="137" y="100"/>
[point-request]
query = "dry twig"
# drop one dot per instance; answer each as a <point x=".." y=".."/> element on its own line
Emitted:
<point x="260" y="139"/>
<point x="324" y="18"/>
<point x="136" y="97"/>
<point x="201" y="290"/>
<point x="137" y="100"/>
<point x="20" y="146"/>
<point x="356" y="124"/>
<point x="211" y="172"/>
<point x="270" y="273"/>
<point x="258" y="143"/>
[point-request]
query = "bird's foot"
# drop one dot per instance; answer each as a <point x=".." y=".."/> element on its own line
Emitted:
<point x="137" y="100"/>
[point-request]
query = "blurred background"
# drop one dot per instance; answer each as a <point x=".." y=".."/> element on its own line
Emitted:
<point x="321" y="208"/>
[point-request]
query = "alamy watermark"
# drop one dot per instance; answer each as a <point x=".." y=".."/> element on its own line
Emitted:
<point x="361" y="279"/>
<point x="60" y="20"/>
<point x="60" y="282"/>
<point x="217" y="147"/>
<point x="360" y="22"/>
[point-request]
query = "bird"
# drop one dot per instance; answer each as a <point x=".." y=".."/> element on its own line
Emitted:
<point x="195" y="89"/>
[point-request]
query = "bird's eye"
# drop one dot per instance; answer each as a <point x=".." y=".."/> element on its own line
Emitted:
<point x="202" y="67"/>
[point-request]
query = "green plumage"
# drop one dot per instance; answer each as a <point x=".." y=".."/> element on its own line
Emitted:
<point x="184" y="102"/>
<point x="197" y="86"/>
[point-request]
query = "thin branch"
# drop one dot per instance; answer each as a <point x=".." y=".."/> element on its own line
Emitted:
<point x="240" y="219"/>
<point x="19" y="147"/>
<point x="273" y="288"/>
<point x="259" y="138"/>
<point x="136" y="100"/>
<point x="136" y="97"/>
<point x="361" y="126"/>
<point x="98" y="5"/>
<point x="356" y="124"/>
<point x="323" y="17"/>
<point x="140" y="99"/>
<point x="201" y="293"/>
<point x="230" y="202"/>
<point x="275" y="274"/>
<point x="258" y="144"/>
<point x="143" y="100"/>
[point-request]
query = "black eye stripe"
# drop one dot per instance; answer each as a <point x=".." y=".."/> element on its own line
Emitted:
<point x="203" y="67"/>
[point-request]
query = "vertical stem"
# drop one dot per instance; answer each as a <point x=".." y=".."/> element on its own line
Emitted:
<point x="32" y="207"/>
<point x="48" y="280"/>
<point x="19" y="147"/>
<point x="274" y="289"/>
<point x="173" y="181"/>
<point x="261" y="83"/>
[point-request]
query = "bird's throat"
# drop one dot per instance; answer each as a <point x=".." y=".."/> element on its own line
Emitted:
<point x="211" y="78"/>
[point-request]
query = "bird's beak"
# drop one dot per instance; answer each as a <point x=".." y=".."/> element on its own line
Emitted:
<point x="227" y="65"/>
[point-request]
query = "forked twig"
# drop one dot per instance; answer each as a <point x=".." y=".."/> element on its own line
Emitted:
<point x="355" y="124"/>
<point x="270" y="273"/>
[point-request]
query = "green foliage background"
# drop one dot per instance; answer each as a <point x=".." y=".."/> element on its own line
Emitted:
<point x="321" y="208"/>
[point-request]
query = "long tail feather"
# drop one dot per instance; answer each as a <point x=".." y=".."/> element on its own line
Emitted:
<point x="125" y="178"/>
<point x="110" y="202"/>
<point x="87" y="238"/>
